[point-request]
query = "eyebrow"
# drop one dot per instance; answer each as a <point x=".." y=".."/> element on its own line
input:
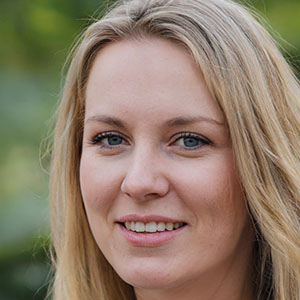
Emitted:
<point x="107" y="120"/>
<point x="178" y="121"/>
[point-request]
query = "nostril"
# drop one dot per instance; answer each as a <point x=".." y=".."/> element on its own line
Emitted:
<point x="145" y="190"/>
<point x="144" y="185"/>
<point x="151" y="196"/>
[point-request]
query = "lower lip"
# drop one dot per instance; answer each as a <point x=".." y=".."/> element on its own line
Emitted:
<point x="150" y="239"/>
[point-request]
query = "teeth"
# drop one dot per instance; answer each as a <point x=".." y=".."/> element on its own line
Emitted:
<point x="132" y="226"/>
<point x="161" y="226"/>
<point x="139" y="227"/>
<point x="170" y="226"/>
<point x="152" y="226"/>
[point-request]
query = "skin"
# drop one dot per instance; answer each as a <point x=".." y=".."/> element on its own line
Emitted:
<point x="152" y="170"/>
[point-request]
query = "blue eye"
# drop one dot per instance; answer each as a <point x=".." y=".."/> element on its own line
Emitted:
<point x="191" y="141"/>
<point x="114" y="140"/>
<point x="108" y="139"/>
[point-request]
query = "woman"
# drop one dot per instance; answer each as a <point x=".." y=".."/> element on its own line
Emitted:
<point x="176" y="164"/>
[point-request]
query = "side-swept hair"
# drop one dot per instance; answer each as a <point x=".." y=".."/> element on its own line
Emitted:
<point x="260" y="98"/>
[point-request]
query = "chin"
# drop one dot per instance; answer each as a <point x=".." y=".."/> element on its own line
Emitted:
<point x="146" y="281"/>
<point x="147" y="277"/>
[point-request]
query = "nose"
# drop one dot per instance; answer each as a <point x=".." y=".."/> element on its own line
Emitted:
<point x="144" y="179"/>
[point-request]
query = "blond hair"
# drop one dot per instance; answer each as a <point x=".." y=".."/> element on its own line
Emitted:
<point x="260" y="97"/>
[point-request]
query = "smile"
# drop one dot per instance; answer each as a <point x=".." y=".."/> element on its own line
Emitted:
<point x="152" y="227"/>
<point x="150" y="231"/>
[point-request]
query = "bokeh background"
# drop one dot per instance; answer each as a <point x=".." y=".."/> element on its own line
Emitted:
<point x="35" y="37"/>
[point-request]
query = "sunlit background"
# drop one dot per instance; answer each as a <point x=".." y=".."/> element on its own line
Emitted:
<point x="35" y="36"/>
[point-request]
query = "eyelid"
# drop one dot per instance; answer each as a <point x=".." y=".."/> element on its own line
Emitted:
<point x="98" y="140"/>
<point x="190" y="134"/>
<point x="106" y="134"/>
<point x="205" y="141"/>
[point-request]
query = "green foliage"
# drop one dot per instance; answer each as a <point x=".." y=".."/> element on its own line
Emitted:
<point x="35" y="38"/>
<point x="26" y="275"/>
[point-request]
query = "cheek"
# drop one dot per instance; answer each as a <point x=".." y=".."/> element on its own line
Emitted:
<point x="220" y="217"/>
<point x="212" y="191"/>
<point x="99" y="183"/>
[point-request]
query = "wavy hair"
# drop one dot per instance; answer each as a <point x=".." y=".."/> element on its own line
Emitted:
<point x="260" y="98"/>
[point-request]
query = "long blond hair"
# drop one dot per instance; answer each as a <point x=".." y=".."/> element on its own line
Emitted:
<point x="260" y="97"/>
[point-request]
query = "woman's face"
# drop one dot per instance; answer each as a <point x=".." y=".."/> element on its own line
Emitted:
<point x="157" y="159"/>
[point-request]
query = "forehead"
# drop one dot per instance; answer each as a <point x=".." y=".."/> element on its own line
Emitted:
<point x="147" y="76"/>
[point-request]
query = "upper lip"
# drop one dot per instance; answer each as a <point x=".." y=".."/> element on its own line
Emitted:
<point x="148" y="218"/>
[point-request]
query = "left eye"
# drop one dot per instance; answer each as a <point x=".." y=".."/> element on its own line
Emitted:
<point x="114" y="140"/>
<point x="192" y="141"/>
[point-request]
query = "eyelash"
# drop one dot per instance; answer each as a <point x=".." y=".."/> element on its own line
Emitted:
<point x="100" y="137"/>
<point x="202" y="140"/>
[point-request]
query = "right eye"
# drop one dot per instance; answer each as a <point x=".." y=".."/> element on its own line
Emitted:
<point x="108" y="140"/>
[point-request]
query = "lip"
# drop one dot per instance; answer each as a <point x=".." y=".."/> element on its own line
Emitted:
<point x="149" y="239"/>
<point x="152" y="239"/>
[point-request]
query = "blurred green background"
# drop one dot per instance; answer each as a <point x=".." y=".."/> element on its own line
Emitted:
<point x="35" y="36"/>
